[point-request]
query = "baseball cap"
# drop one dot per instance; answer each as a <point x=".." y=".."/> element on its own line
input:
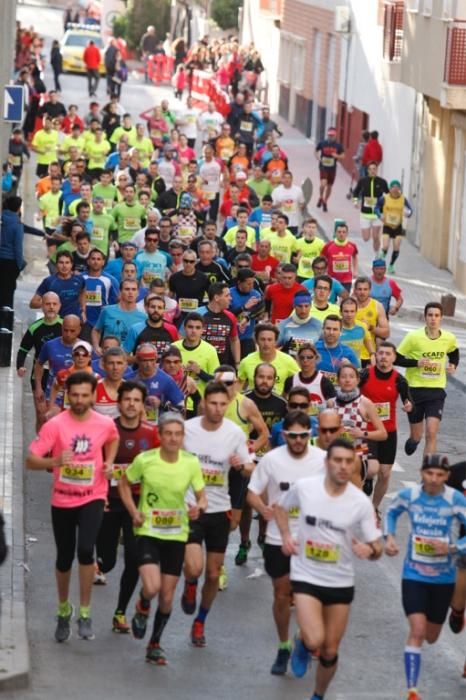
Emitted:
<point x="128" y="244"/>
<point x="379" y="262"/>
<point x="331" y="130"/>
<point x="241" y="175"/>
<point x="83" y="344"/>
<point x="395" y="183"/>
<point x="435" y="461"/>
<point x="146" y="351"/>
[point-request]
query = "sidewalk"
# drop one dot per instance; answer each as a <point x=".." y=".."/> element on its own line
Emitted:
<point x="419" y="280"/>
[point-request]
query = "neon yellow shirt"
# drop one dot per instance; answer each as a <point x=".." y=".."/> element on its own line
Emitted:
<point x="145" y="148"/>
<point x="163" y="490"/>
<point x="97" y="153"/>
<point x="417" y="345"/>
<point x="309" y="250"/>
<point x="46" y="143"/>
<point x="285" y="366"/>
<point x="48" y="206"/>
<point x="321" y="315"/>
<point x="281" y="247"/>
<point x="230" y="237"/>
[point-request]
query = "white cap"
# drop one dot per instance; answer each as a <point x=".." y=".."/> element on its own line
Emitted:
<point x="83" y="344"/>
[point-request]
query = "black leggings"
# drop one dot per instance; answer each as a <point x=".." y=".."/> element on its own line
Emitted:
<point x="116" y="520"/>
<point x="87" y="520"/>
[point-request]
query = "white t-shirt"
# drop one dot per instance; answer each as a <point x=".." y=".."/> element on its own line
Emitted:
<point x="188" y="122"/>
<point x="210" y="124"/>
<point x="326" y="527"/>
<point x="276" y="472"/>
<point x="214" y="448"/>
<point x="210" y="174"/>
<point x="167" y="172"/>
<point x="288" y="201"/>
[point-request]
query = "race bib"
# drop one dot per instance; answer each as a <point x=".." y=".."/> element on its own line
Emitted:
<point x="226" y="153"/>
<point x="166" y="522"/>
<point x="245" y="126"/>
<point x="117" y="472"/>
<point x="293" y="512"/>
<point x="322" y="552"/>
<point x="306" y="264"/>
<point x="185" y="232"/>
<point x="98" y="233"/>
<point x="423" y="551"/>
<point x="288" y="206"/>
<point x="431" y="371"/>
<point x="341" y="265"/>
<point x="213" y="477"/>
<point x="131" y="223"/>
<point x="370" y="202"/>
<point x="210" y="195"/>
<point x="188" y="304"/>
<point x="148" y="275"/>
<point x="108" y="203"/>
<point x="155" y="133"/>
<point x="327" y="162"/>
<point x="15" y="161"/>
<point x="77" y="474"/>
<point x="383" y="410"/>
<point x="94" y="298"/>
<point x="393" y="219"/>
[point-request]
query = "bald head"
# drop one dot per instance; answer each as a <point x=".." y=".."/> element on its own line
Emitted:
<point x="50" y="305"/>
<point x="330" y="427"/>
<point x="70" y="329"/>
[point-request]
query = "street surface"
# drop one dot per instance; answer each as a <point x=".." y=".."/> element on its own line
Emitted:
<point x="240" y="630"/>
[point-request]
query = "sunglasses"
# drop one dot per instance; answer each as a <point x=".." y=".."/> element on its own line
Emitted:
<point x="295" y="405"/>
<point x="152" y="240"/>
<point x="190" y="262"/>
<point x="228" y="383"/>
<point x="323" y="289"/>
<point x="306" y="357"/>
<point x="294" y="436"/>
<point x="329" y="430"/>
<point x="81" y="353"/>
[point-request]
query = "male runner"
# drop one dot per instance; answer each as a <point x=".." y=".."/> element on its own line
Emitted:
<point x="428" y="579"/>
<point x="219" y="444"/>
<point x="79" y="440"/>
<point x="457" y="480"/>
<point x="429" y="353"/>
<point x="161" y="523"/>
<point x="274" y="475"/>
<point x="135" y="436"/>
<point x="331" y="510"/>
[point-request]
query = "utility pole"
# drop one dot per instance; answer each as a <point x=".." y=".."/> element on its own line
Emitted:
<point x="7" y="58"/>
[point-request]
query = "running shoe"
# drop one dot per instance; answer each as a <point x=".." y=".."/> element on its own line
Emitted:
<point x="280" y="664"/>
<point x="391" y="270"/>
<point x="223" y="579"/>
<point x="324" y="206"/>
<point x="410" y="446"/>
<point x="188" y="599"/>
<point x="156" y="655"/>
<point x="413" y="694"/>
<point x="85" y="628"/>
<point x="119" y="623"/>
<point x="99" y="577"/>
<point x="197" y="634"/>
<point x="456" y="621"/>
<point x="300" y="658"/>
<point x="242" y="555"/>
<point x="63" y="628"/>
<point x="384" y="254"/>
<point x="319" y="203"/>
<point x="368" y="487"/>
<point x="139" y="621"/>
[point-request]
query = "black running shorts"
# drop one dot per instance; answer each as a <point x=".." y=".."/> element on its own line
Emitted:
<point x="237" y="488"/>
<point x="326" y="595"/>
<point x="430" y="599"/>
<point x="211" y="528"/>
<point x="276" y="563"/>
<point x="428" y="403"/>
<point x="167" y="554"/>
<point x="384" y="451"/>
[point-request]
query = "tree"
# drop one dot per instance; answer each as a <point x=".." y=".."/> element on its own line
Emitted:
<point x="132" y="25"/>
<point x="225" y="13"/>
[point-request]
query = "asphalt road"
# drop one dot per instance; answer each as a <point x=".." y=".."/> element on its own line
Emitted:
<point x="240" y="631"/>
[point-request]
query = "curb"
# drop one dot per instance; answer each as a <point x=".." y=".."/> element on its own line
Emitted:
<point x="14" y="644"/>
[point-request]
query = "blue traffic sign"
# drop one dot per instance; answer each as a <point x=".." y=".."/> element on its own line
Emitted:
<point x="13" y="103"/>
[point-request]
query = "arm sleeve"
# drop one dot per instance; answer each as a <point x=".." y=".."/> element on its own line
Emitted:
<point x="26" y="345"/>
<point x="403" y="388"/>
<point x="454" y="357"/>
<point x="403" y="361"/>
<point x="328" y="390"/>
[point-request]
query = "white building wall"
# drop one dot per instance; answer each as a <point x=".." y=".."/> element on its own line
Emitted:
<point x="259" y="28"/>
<point x="390" y="105"/>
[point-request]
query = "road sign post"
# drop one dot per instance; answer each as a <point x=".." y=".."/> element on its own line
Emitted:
<point x="13" y="103"/>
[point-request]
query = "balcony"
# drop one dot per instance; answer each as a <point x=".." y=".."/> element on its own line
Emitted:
<point x="453" y="89"/>
<point x="393" y="38"/>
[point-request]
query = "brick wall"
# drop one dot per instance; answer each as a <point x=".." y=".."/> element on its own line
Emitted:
<point x="302" y="20"/>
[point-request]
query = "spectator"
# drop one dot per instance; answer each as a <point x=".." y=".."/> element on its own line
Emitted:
<point x="11" y="249"/>
<point x="91" y="58"/>
<point x="373" y="151"/>
<point x="56" y="61"/>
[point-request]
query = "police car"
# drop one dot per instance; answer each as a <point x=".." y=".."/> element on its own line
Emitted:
<point x="75" y="40"/>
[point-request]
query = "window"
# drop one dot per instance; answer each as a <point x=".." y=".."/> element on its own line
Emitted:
<point x="427" y="8"/>
<point x="447" y="10"/>
<point x="285" y="59"/>
<point x="412" y="5"/>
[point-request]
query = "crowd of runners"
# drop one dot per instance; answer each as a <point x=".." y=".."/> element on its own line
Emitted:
<point x="203" y="355"/>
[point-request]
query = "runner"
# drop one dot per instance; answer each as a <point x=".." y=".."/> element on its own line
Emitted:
<point x="320" y="388"/>
<point x="277" y="471"/>
<point x="115" y="366"/>
<point x="301" y="326"/>
<point x="354" y="333"/>
<point x="331" y="511"/>
<point x="266" y="337"/>
<point x="161" y="523"/>
<point x="428" y="578"/>
<point x="219" y="445"/>
<point x="79" y="440"/>
<point x="357" y="412"/>
<point x="332" y="352"/>
<point x="391" y="208"/>
<point x="429" y="354"/>
<point x="366" y="193"/>
<point x="372" y="313"/>
<point x="328" y="152"/>
<point x="342" y="256"/>
<point x="382" y="384"/>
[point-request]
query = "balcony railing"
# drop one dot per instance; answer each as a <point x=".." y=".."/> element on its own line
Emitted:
<point x="455" y="54"/>
<point x="393" y="31"/>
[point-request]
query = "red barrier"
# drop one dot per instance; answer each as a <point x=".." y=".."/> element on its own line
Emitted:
<point x="204" y="89"/>
<point x="160" y="68"/>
